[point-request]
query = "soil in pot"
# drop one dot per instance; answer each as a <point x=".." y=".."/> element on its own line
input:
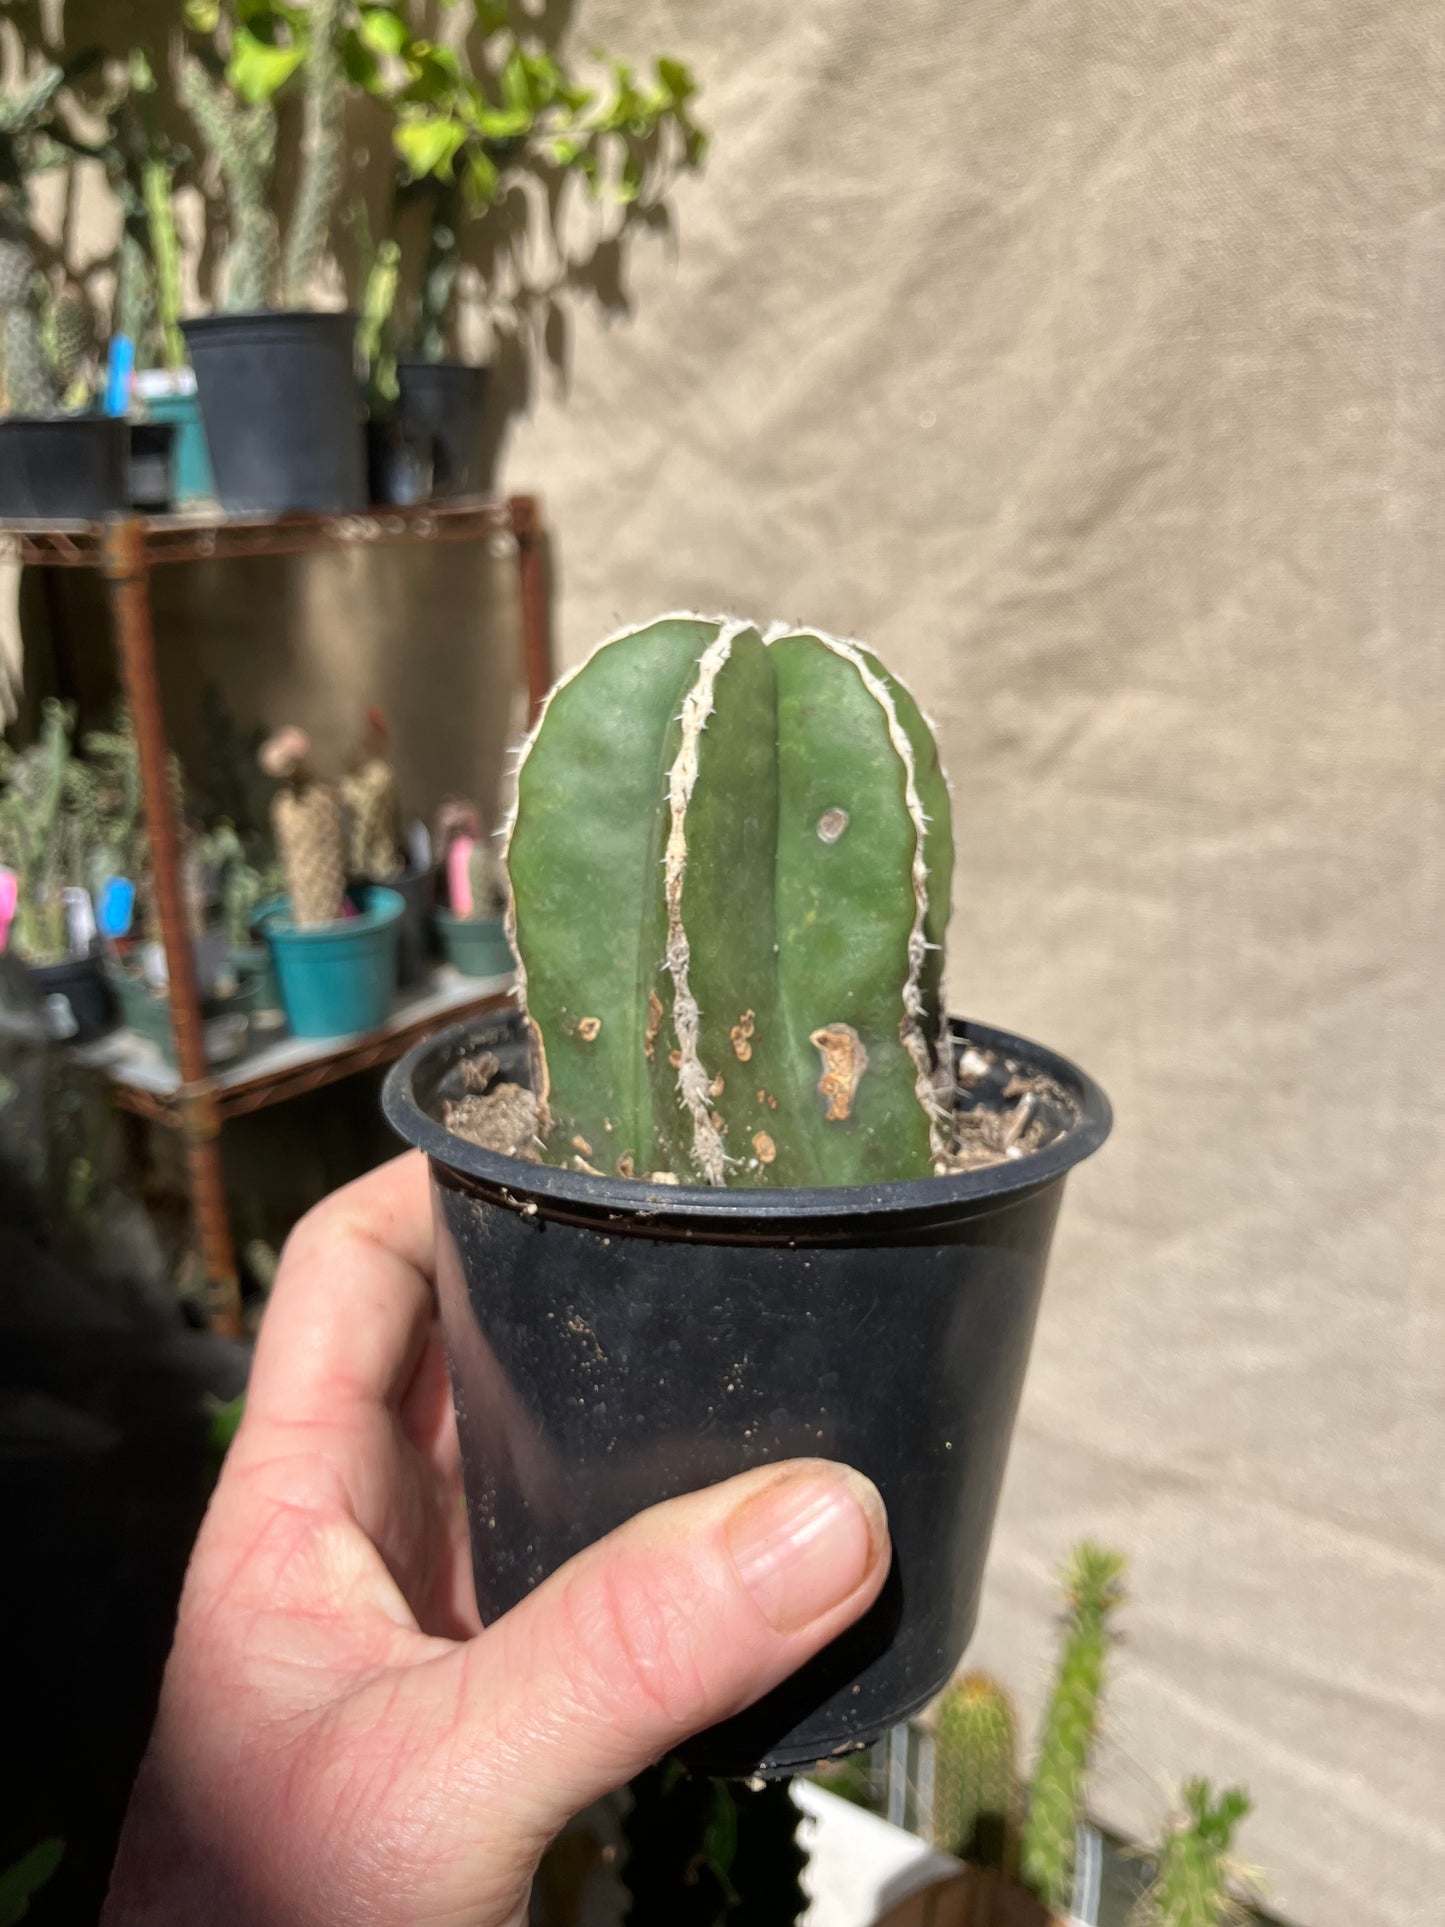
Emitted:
<point x="75" y="998"/>
<point x="443" y="406"/>
<point x="476" y="946"/>
<point x="283" y="411"/>
<point x="615" y="1342"/>
<point x="64" y="468"/>
<point x="337" y="978"/>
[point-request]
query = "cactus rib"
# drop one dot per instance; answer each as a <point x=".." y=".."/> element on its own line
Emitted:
<point x="976" y="1793"/>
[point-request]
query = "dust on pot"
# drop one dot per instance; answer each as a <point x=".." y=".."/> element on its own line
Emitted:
<point x="614" y="1343"/>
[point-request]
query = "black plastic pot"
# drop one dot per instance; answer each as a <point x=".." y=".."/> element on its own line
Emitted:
<point x="399" y="469"/>
<point x="150" y="466"/>
<point x="75" y="998"/>
<point x="66" y="468"/>
<point x="443" y="403"/>
<point x="614" y="1343"/>
<point x="416" y="939"/>
<point x="282" y="409"/>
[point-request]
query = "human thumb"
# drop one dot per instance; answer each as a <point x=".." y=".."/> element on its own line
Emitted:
<point x="680" y="1618"/>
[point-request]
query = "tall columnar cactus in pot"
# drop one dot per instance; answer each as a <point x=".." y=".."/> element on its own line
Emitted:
<point x="789" y="1208"/>
<point x="282" y="408"/>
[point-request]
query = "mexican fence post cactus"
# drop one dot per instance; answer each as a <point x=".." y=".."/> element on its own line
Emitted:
<point x="323" y="158"/>
<point x="243" y="142"/>
<point x="975" y="1785"/>
<point x="306" y="819"/>
<point x="1191" y="1885"/>
<point x="1093" y="1590"/>
<point x="730" y="863"/>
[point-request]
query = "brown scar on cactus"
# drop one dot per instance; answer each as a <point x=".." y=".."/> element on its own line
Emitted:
<point x="654" y="1025"/>
<point x="742" y="1034"/>
<point x="831" y="825"/>
<point x="717" y="1086"/>
<point x="844" y="1061"/>
<point x="588" y="1027"/>
<point x="765" y="1147"/>
<point x="625" y="1165"/>
<point x="581" y="1144"/>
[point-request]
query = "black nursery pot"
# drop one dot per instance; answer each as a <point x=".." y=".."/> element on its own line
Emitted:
<point x="64" y="468"/>
<point x="282" y="410"/>
<point x="75" y="997"/>
<point x="614" y="1343"/>
<point x="443" y="406"/>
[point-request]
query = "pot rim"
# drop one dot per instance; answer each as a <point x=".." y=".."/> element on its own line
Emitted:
<point x="563" y="1193"/>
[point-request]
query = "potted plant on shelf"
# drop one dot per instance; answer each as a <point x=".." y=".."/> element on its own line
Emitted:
<point x="466" y="131"/>
<point x="473" y="922"/>
<point x="57" y="459"/>
<point x="47" y="829"/>
<point x="337" y="971"/>
<point x="374" y="852"/>
<point x="278" y="389"/>
<point x="768" y="1200"/>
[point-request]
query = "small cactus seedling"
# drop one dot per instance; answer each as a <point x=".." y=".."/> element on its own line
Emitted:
<point x="730" y="864"/>
<point x="1191" y="1887"/>
<point x="975" y="1787"/>
<point x="306" y="819"/>
<point x="1093" y="1590"/>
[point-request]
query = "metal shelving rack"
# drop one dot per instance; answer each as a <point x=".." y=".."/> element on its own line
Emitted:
<point x="126" y="550"/>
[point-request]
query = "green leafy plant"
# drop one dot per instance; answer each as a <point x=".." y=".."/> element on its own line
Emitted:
<point x="686" y="768"/>
<point x="1192" y="1882"/>
<point x="1093" y="1592"/>
<point x="468" y="129"/>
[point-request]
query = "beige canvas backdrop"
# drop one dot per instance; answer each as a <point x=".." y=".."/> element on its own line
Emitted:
<point x="1089" y="360"/>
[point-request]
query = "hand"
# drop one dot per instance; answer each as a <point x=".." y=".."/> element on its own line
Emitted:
<point x="338" y="1740"/>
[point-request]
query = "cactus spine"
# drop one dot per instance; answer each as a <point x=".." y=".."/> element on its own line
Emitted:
<point x="306" y="819"/>
<point x="976" y="1791"/>
<point x="686" y="769"/>
<point x="323" y="153"/>
<point x="1190" y="1888"/>
<point x="1092" y="1591"/>
<point x="243" y="141"/>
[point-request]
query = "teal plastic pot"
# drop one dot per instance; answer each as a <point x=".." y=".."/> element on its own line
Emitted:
<point x="477" y="946"/>
<point x="225" y="1021"/>
<point x="191" y="477"/>
<point x="338" y="977"/>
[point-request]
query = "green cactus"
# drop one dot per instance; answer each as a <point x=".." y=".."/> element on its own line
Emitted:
<point x="686" y="770"/>
<point x="243" y="141"/>
<point x="323" y="154"/>
<point x="1191" y="1885"/>
<point x="1093" y="1590"/>
<point x="46" y="814"/>
<point x="975" y="1785"/>
<point x="165" y="254"/>
<point x="29" y="380"/>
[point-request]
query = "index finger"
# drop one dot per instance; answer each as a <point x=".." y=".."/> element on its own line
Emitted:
<point x="353" y="1301"/>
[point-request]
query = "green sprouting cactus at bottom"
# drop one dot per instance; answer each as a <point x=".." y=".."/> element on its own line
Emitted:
<point x="975" y="1784"/>
<point x="1191" y="1886"/>
<point x="730" y="865"/>
<point x="1093" y="1590"/>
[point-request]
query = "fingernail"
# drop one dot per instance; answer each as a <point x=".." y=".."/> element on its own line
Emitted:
<point x="803" y="1545"/>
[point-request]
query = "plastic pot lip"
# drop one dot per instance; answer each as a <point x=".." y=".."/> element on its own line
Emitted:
<point x="109" y="425"/>
<point x="449" y="920"/>
<point x="699" y="1210"/>
<point x="206" y="329"/>
<point x="382" y="907"/>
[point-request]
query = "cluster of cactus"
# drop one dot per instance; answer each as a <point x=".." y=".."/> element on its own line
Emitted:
<point x="1193" y="1872"/>
<point x="703" y="1852"/>
<point x="690" y="767"/>
<point x="373" y="810"/>
<point x="49" y="820"/>
<point x="241" y="135"/>
<point x="310" y="836"/>
<point x="30" y="380"/>
<point x="121" y="847"/>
